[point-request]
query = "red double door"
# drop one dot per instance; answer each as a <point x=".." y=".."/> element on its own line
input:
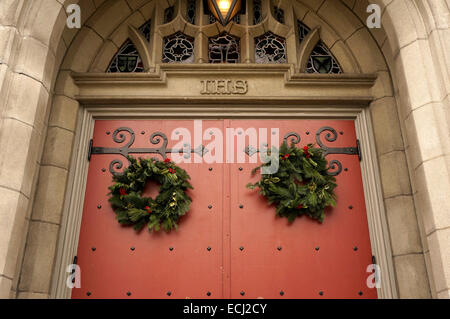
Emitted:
<point x="230" y="244"/>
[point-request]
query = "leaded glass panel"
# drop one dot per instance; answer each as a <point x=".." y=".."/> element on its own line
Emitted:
<point x="190" y="12"/>
<point x="303" y="31"/>
<point x="224" y="49"/>
<point x="279" y="14"/>
<point x="127" y="60"/>
<point x="178" y="48"/>
<point x="145" y="29"/>
<point x="322" y="61"/>
<point x="270" y="48"/>
<point x="169" y="14"/>
<point x="257" y="11"/>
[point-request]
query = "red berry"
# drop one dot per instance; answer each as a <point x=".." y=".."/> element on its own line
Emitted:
<point x="167" y="160"/>
<point x="300" y="206"/>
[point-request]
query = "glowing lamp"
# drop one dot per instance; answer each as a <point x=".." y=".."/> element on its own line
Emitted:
<point x="224" y="10"/>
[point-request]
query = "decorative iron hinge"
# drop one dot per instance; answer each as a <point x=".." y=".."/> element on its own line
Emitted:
<point x="126" y="135"/>
<point x="91" y="143"/>
<point x="331" y="135"/>
<point x="358" y="148"/>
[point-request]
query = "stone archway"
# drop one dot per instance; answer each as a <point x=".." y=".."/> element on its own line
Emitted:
<point x="32" y="185"/>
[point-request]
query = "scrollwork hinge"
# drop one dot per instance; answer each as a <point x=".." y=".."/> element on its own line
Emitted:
<point x="91" y="143"/>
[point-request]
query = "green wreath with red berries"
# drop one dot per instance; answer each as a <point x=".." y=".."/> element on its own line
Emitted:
<point x="165" y="210"/>
<point x="301" y="186"/>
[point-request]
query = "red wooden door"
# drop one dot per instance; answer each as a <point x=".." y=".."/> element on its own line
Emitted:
<point x="229" y="245"/>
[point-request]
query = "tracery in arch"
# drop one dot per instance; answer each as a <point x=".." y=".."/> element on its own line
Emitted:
<point x="270" y="48"/>
<point x="178" y="48"/>
<point x="321" y="59"/>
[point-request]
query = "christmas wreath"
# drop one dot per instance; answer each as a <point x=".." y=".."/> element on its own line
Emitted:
<point x="301" y="186"/>
<point x="165" y="210"/>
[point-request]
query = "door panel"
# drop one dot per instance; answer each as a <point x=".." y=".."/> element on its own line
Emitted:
<point x="152" y="269"/>
<point x="298" y="270"/>
<point x="143" y="264"/>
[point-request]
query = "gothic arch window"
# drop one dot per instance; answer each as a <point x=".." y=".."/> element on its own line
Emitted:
<point x="178" y="48"/>
<point x="270" y="48"/>
<point x="127" y="60"/>
<point x="224" y="49"/>
<point x="321" y="59"/>
<point x="222" y="44"/>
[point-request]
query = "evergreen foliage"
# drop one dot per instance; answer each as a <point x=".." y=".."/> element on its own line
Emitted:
<point x="165" y="210"/>
<point x="301" y="186"/>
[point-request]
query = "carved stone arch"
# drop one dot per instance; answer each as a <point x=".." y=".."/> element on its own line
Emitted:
<point x="306" y="47"/>
<point x="334" y="42"/>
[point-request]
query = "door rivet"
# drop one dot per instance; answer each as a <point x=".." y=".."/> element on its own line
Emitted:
<point x="241" y="206"/>
<point x="360" y="293"/>
<point x="321" y="293"/>
<point x="307" y="133"/>
<point x="107" y="133"/>
<point x="170" y="248"/>
<point x="350" y="207"/>
<point x="169" y="293"/>
<point x="209" y="206"/>
<point x="208" y="294"/>
<point x="128" y="294"/>
<point x="210" y="169"/>
<point x="209" y="248"/>
<point x="317" y="248"/>
<point x="242" y="293"/>
<point x="94" y="249"/>
<point x="346" y="169"/>
<point x="241" y="169"/>
<point x="88" y="293"/>
<point x="103" y="170"/>
<point x="355" y="248"/>
<point x="132" y="248"/>
<point x="279" y="248"/>
<point x="342" y="133"/>
<point x="282" y="293"/>
<point x="241" y="248"/>
<point x="143" y="132"/>
<point x="99" y="206"/>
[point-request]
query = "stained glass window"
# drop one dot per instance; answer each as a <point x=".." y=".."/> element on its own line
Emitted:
<point x="322" y="61"/>
<point x="127" y="60"/>
<point x="270" y="48"/>
<point x="279" y="14"/>
<point x="145" y="29"/>
<point x="178" y="48"/>
<point x="303" y="31"/>
<point x="190" y="12"/>
<point x="257" y="11"/>
<point x="224" y="49"/>
<point x="169" y="14"/>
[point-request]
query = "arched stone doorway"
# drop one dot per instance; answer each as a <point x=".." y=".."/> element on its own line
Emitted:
<point x="34" y="186"/>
